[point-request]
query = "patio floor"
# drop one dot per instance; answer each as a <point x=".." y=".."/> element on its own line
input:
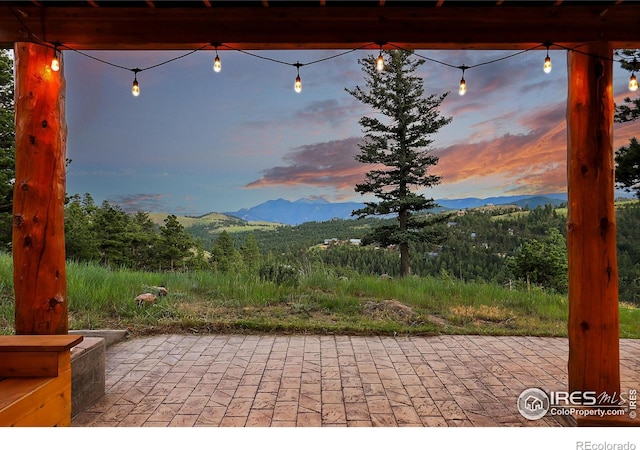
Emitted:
<point x="314" y="381"/>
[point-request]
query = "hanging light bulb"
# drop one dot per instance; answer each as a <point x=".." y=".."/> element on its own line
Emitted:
<point x="217" y="66"/>
<point x="298" y="84"/>
<point x="55" y="62"/>
<point x="463" y="87"/>
<point x="380" y="61"/>
<point x="633" y="83"/>
<point x="463" y="84"/>
<point x="547" y="63"/>
<point x="135" y="88"/>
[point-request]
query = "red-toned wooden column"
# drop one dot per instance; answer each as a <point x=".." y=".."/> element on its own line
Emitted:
<point x="39" y="273"/>
<point x="594" y="342"/>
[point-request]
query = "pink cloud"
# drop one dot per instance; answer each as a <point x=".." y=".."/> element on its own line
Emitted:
<point x="140" y="202"/>
<point x="532" y="162"/>
<point x="323" y="164"/>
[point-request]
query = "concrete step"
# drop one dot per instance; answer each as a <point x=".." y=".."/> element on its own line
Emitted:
<point x="88" y="366"/>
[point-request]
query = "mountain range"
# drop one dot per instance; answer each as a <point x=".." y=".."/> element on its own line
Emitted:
<point x="320" y="210"/>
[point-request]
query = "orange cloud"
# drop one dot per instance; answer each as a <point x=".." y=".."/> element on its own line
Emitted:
<point x="329" y="164"/>
<point x="533" y="162"/>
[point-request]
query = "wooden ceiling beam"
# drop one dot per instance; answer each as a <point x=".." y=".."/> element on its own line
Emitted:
<point x="509" y="26"/>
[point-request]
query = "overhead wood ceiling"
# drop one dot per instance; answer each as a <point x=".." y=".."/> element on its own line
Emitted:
<point x="438" y="24"/>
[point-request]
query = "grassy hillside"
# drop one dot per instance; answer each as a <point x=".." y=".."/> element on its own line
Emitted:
<point x="619" y="204"/>
<point x="188" y="221"/>
<point x="216" y="222"/>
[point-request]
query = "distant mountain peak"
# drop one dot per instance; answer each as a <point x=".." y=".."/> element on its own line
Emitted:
<point x="319" y="209"/>
<point x="315" y="200"/>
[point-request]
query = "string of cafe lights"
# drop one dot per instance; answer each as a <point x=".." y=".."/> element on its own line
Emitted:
<point x="379" y="62"/>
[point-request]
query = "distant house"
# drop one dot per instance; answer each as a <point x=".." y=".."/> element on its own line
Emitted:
<point x="355" y="241"/>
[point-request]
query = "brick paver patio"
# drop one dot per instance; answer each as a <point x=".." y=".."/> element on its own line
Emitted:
<point x="313" y="381"/>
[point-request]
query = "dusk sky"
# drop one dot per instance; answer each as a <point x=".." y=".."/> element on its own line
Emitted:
<point x="196" y="141"/>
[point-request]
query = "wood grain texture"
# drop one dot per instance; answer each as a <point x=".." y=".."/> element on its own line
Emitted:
<point x="36" y="401"/>
<point x="415" y="24"/>
<point x="594" y="347"/>
<point x="28" y="364"/>
<point x="40" y="281"/>
<point x="39" y="343"/>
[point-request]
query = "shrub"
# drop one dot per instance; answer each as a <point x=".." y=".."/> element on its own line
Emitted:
<point x="279" y="273"/>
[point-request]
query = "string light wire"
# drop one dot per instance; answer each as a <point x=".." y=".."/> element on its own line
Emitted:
<point x="462" y="89"/>
<point x="56" y="45"/>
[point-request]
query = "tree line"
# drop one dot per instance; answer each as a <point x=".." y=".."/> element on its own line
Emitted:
<point x="508" y="246"/>
<point x="107" y="235"/>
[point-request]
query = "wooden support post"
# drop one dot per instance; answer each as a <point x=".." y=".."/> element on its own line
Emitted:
<point x="594" y="342"/>
<point x="39" y="272"/>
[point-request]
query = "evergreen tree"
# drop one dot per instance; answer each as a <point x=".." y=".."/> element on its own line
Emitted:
<point x="7" y="149"/>
<point x="225" y="256"/>
<point x="109" y="225"/>
<point x="79" y="235"/>
<point x="628" y="158"/>
<point x="543" y="262"/>
<point x="250" y="252"/>
<point x="628" y="167"/>
<point x="174" y="244"/>
<point x="399" y="148"/>
<point x="142" y="238"/>
<point x="630" y="110"/>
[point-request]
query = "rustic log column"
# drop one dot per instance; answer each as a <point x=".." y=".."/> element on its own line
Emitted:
<point x="39" y="273"/>
<point x="594" y="344"/>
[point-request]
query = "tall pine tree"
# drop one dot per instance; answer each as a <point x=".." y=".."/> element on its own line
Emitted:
<point x="174" y="244"/>
<point x="397" y="143"/>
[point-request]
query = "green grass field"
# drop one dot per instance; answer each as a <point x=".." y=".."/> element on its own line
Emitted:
<point x="318" y="302"/>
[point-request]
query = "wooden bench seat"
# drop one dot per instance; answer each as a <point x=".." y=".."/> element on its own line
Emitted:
<point x="35" y="380"/>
